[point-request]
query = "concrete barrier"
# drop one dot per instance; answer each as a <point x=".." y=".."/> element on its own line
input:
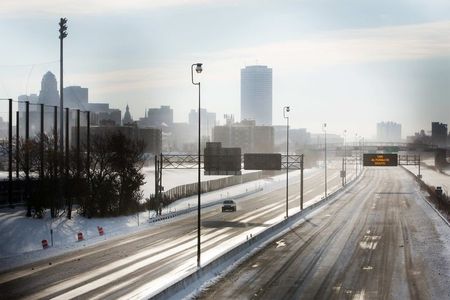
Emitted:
<point x="186" y="285"/>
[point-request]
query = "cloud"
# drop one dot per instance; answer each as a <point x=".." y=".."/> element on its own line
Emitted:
<point x="350" y="47"/>
<point x="169" y="75"/>
<point x="326" y="49"/>
<point x="94" y="7"/>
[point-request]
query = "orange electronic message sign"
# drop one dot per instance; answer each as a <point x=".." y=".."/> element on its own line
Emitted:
<point x="380" y="160"/>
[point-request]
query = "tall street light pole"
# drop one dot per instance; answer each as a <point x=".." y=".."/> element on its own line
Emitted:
<point x="286" y="110"/>
<point x="198" y="69"/>
<point x="62" y="35"/>
<point x="324" y="128"/>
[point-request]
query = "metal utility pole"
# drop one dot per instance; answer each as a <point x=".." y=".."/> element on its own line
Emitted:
<point x="17" y="144"/>
<point x="62" y="35"/>
<point x="41" y="146"/>
<point x="198" y="69"/>
<point x="301" y="181"/>
<point x="78" y="149"/>
<point x="56" y="204"/>
<point x="287" y="109"/>
<point x="27" y="156"/>
<point x="324" y="128"/>
<point x="10" y="153"/>
<point x="66" y="144"/>
<point x="88" y="146"/>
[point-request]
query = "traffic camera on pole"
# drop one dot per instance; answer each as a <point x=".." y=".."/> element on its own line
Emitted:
<point x="62" y="28"/>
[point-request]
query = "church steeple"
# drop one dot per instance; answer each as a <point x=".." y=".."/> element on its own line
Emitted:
<point x="127" y="119"/>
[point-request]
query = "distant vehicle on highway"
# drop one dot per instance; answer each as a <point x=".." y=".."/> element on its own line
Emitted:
<point x="228" y="205"/>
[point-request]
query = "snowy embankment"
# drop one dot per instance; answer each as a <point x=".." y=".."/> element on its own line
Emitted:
<point x="431" y="176"/>
<point x="21" y="236"/>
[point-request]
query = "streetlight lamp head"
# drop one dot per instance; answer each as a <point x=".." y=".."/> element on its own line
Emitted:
<point x="288" y="109"/>
<point x="198" y="68"/>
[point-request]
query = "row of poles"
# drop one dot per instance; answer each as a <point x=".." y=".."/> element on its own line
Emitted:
<point x="64" y="163"/>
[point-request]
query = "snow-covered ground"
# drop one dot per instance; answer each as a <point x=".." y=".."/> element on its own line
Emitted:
<point x="431" y="176"/>
<point x="21" y="236"/>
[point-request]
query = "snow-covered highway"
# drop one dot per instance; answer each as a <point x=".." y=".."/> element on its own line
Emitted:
<point x="141" y="264"/>
<point x="380" y="240"/>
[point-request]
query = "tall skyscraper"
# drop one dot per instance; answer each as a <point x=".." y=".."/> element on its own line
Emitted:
<point x="256" y="94"/>
<point x="49" y="90"/>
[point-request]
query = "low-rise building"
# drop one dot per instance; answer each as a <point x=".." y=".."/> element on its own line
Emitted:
<point x="246" y="135"/>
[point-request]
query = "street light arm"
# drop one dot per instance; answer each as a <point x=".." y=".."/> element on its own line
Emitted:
<point x="192" y="75"/>
<point x="286" y="109"/>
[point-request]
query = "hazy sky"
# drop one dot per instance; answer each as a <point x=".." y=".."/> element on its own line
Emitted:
<point x="349" y="63"/>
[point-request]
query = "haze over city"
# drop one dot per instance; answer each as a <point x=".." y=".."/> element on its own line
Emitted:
<point x="350" y="64"/>
<point x="224" y="149"/>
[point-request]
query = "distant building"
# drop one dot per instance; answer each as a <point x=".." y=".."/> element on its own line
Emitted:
<point x="182" y="138"/>
<point x="151" y="136"/>
<point x="76" y="97"/>
<point x="34" y="116"/>
<point x="49" y="96"/>
<point x="157" y="117"/>
<point x="256" y="94"/>
<point x="127" y="119"/>
<point x="246" y="135"/>
<point x="389" y="132"/>
<point x="419" y="138"/>
<point x="3" y="128"/>
<point x="332" y="139"/>
<point x="298" y="137"/>
<point x="207" y="119"/>
<point x="49" y="90"/>
<point x="439" y="134"/>
<point x="101" y="114"/>
<point x="33" y="99"/>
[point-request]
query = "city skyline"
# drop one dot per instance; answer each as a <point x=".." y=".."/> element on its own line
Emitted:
<point x="331" y="64"/>
<point x="78" y="95"/>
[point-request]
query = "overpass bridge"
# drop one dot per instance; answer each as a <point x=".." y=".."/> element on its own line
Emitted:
<point x="374" y="147"/>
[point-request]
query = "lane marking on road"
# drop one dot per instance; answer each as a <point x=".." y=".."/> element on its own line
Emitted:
<point x="280" y="243"/>
<point x="369" y="242"/>
<point x="359" y="295"/>
<point x="26" y="272"/>
<point x="337" y="288"/>
<point x="137" y="261"/>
